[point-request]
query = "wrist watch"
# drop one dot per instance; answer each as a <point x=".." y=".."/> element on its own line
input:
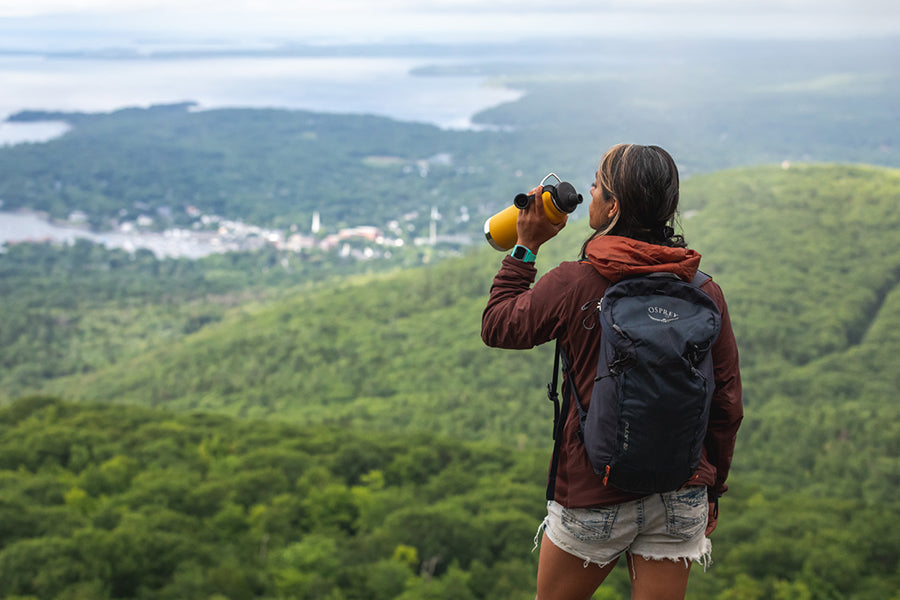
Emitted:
<point x="523" y="254"/>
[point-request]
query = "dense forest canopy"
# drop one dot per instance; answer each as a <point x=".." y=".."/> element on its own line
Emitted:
<point x="104" y="502"/>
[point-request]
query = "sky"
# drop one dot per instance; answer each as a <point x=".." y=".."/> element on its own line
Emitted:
<point x="323" y="21"/>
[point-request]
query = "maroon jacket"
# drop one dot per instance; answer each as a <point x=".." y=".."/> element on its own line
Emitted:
<point x="559" y="306"/>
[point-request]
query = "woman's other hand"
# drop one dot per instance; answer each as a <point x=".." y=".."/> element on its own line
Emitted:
<point x="713" y="518"/>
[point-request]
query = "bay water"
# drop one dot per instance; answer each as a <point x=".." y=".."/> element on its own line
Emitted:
<point x="384" y="86"/>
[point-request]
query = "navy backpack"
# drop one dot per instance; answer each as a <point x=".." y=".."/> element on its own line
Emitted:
<point x="645" y="425"/>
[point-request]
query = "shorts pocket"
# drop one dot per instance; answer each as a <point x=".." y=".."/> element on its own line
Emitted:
<point x="686" y="511"/>
<point x="589" y="524"/>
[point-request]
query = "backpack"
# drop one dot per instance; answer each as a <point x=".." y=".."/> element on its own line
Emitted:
<point x="645" y="426"/>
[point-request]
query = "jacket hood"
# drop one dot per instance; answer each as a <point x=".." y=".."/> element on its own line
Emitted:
<point x="617" y="258"/>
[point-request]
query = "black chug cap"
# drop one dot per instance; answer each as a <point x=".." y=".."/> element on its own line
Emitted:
<point x="567" y="199"/>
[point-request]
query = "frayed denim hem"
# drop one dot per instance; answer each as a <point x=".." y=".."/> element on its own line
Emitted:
<point x="704" y="558"/>
<point x="537" y="542"/>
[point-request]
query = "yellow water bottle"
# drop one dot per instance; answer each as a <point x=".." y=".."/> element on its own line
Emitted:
<point x="559" y="201"/>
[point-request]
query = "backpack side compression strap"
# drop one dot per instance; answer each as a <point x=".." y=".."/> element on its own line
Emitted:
<point x="560" y="413"/>
<point x="553" y="396"/>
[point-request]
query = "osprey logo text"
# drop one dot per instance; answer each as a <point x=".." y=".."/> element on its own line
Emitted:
<point x="663" y="315"/>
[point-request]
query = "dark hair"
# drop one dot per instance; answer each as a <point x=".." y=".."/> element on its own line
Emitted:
<point x="645" y="181"/>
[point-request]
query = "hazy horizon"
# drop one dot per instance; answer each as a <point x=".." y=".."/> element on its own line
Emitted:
<point x="69" y="24"/>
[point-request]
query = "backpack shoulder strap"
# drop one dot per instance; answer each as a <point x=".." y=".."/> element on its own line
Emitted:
<point x="700" y="278"/>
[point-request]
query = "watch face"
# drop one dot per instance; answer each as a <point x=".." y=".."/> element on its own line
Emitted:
<point x="522" y="253"/>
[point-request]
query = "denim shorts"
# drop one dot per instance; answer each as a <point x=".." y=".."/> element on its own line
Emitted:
<point x="670" y="525"/>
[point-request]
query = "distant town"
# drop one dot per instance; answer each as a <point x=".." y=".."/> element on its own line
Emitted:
<point x="212" y="234"/>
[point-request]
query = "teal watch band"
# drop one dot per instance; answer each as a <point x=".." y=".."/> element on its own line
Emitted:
<point x="523" y="254"/>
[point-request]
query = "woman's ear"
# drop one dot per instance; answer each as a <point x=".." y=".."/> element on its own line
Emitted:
<point x="614" y="207"/>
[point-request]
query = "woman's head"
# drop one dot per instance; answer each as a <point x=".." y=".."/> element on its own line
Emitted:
<point x="635" y="194"/>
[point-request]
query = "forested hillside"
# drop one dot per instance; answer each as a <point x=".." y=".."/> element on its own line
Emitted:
<point x="80" y="307"/>
<point x="807" y="258"/>
<point x="809" y="262"/>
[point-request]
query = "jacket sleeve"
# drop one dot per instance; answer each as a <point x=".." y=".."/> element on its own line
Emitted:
<point x="726" y="411"/>
<point x="518" y="316"/>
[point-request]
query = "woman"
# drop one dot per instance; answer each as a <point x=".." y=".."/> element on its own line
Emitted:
<point x="589" y="525"/>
